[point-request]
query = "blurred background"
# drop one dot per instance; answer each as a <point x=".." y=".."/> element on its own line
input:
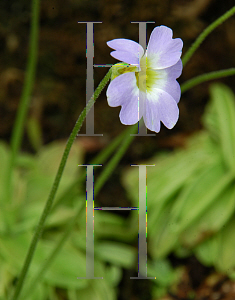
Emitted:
<point x="58" y="97"/>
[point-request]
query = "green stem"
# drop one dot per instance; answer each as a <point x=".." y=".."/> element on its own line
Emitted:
<point x="55" y="251"/>
<point x="205" y="33"/>
<point x="18" y="128"/>
<point x="101" y="158"/>
<point x="115" y="159"/>
<point x="206" y="77"/>
<point x="52" y="194"/>
<point x="98" y="185"/>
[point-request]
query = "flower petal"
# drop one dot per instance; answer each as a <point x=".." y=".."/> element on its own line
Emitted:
<point x="160" y="106"/>
<point x="124" y="91"/>
<point x="126" y="50"/>
<point x="166" y="80"/>
<point x="162" y="50"/>
<point x="175" y="70"/>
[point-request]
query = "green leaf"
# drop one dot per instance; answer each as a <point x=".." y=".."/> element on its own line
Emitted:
<point x="39" y="292"/>
<point x="212" y="219"/>
<point x="109" y="225"/>
<point x="225" y="260"/>
<point x="207" y="251"/>
<point x="163" y="237"/>
<point x="198" y="196"/>
<point x="170" y="175"/>
<point x="67" y="266"/>
<point x="116" y="253"/>
<point x="6" y="278"/>
<point x="219" y="249"/>
<point x="41" y="178"/>
<point x="32" y="212"/>
<point x="97" y="290"/>
<point x="113" y="275"/>
<point x="34" y="132"/>
<point x="162" y="270"/>
<point x="224" y="103"/>
<point x="4" y="157"/>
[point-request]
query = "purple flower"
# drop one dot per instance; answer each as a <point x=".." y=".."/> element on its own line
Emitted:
<point x="145" y="84"/>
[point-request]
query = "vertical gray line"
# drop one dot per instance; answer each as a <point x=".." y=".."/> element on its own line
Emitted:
<point x="142" y="96"/>
<point x="90" y="223"/>
<point x="90" y="77"/>
<point x="142" y="237"/>
<point x="142" y="130"/>
<point x="142" y="223"/>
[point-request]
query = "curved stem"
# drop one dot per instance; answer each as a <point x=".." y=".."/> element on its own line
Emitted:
<point x="115" y="159"/>
<point x="205" y="33"/>
<point x="52" y="194"/>
<point x="64" y="237"/>
<point x="18" y="128"/>
<point x="206" y="77"/>
<point x="98" y="185"/>
<point x="101" y="158"/>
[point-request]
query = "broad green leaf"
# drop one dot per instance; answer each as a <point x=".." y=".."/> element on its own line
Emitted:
<point x="26" y="162"/>
<point x="207" y="251"/>
<point x="113" y="275"/>
<point x="170" y="171"/>
<point x="42" y="177"/>
<point x="39" y="292"/>
<point x="9" y="207"/>
<point x="39" y="181"/>
<point x="212" y="219"/>
<point x="210" y="122"/>
<point x="224" y="102"/>
<point x="170" y="174"/>
<point x="162" y="238"/>
<point x="219" y="249"/>
<point x="97" y="290"/>
<point x="203" y="191"/>
<point x="109" y="225"/>
<point x="6" y="278"/>
<point x="32" y="212"/>
<point x="105" y="287"/>
<point x="225" y="260"/>
<point x="67" y="266"/>
<point x="162" y="271"/>
<point x="116" y="253"/>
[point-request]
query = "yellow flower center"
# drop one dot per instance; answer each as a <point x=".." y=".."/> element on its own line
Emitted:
<point x="146" y="78"/>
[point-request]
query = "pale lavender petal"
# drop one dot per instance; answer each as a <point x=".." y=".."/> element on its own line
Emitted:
<point x="175" y="70"/>
<point x="160" y="106"/>
<point x="152" y="117"/>
<point x="124" y="91"/>
<point x="162" y="50"/>
<point x="126" y="57"/>
<point x="166" y="80"/>
<point x="126" y="50"/>
<point x="126" y="45"/>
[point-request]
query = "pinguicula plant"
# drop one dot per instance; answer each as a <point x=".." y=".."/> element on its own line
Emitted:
<point x="143" y="84"/>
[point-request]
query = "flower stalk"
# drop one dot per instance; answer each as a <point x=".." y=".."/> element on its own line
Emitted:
<point x="18" y="128"/>
<point x="55" y="185"/>
<point x="205" y="33"/>
<point x="206" y="77"/>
